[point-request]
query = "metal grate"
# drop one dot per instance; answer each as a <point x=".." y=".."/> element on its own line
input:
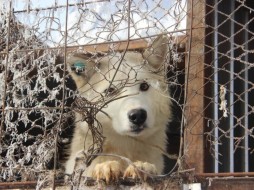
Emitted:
<point x="229" y="88"/>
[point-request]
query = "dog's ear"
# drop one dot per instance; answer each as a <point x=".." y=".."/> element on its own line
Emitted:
<point x="156" y="53"/>
<point x="81" y="67"/>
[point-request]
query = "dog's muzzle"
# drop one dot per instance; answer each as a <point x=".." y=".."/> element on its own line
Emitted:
<point x="137" y="117"/>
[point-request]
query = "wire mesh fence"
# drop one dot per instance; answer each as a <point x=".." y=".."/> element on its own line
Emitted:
<point x="39" y="97"/>
<point x="57" y="58"/>
<point x="228" y="73"/>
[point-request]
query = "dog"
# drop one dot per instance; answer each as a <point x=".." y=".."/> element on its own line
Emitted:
<point x="136" y="114"/>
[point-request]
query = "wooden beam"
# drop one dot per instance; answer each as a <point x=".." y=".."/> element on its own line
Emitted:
<point x="121" y="45"/>
<point x="193" y="134"/>
<point x="116" y="46"/>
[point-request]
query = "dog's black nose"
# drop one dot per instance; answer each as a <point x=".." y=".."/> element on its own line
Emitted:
<point x="137" y="116"/>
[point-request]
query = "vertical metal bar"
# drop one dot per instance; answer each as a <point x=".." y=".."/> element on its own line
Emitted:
<point x="63" y="97"/>
<point x="231" y="92"/>
<point x="216" y="90"/>
<point x="6" y="71"/>
<point x="246" y="97"/>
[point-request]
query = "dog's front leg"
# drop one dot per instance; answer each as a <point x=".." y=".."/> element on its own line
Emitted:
<point x="108" y="170"/>
<point x="140" y="170"/>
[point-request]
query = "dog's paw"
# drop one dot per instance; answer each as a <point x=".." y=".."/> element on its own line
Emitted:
<point x="109" y="170"/>
<point x="134" y="171"/>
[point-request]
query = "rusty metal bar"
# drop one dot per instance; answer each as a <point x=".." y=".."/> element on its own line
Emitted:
<point x="14" y="185"/>
<point x="22" y="184"/>
<point x="226" y="174"/>
<point x="59" y="6"/>
<point x="90" y="182"/>
<point x="91" y="47"/>
<point x="34" y="108"/>
<point x="102" y="46"/>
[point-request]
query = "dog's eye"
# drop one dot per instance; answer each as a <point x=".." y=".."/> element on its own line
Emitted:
<point x="110" y="91"/>
<point x="144" y="86"/>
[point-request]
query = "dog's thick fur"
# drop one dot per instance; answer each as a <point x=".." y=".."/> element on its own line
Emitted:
<point x="142" y="142"/>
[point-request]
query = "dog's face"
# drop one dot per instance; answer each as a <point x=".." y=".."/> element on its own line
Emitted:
<point x="130" y="89"/>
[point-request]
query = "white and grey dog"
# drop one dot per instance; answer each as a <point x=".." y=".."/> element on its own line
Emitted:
<point x="134" y="125"/>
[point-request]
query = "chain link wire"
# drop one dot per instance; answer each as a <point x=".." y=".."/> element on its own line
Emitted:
<point x="39" y="98"/>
